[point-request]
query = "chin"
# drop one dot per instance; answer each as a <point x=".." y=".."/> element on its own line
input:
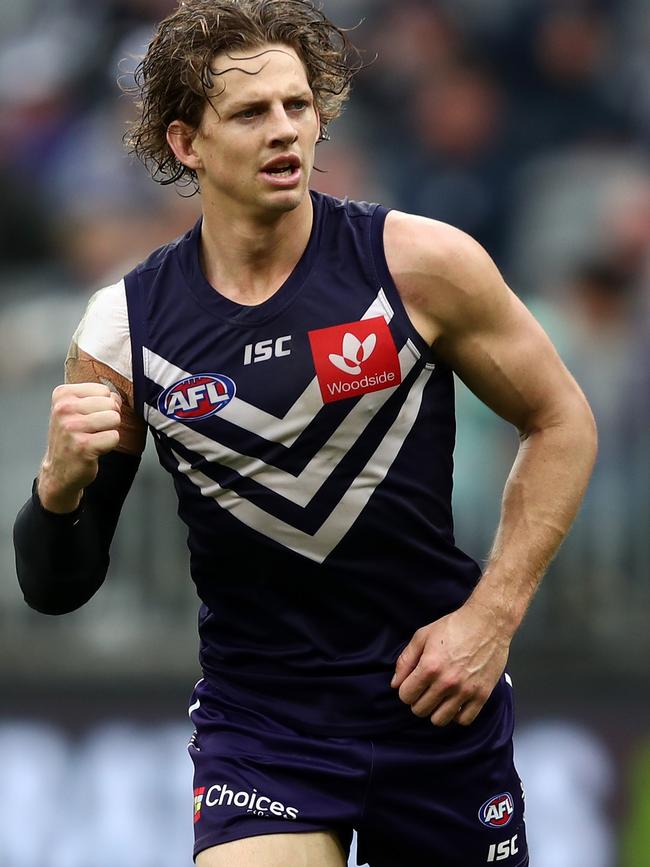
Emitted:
<point x="285" y="201"/>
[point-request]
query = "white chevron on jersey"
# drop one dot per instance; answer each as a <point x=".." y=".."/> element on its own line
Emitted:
<point x="285" y="430"/>
<point x="318" y="545"/>
<point x="297" y="489"/>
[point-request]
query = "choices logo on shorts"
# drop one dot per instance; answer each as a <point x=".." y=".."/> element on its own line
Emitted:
<point x="221" y="795"/>
<point x="497" y="811"/>
<point x="355" y="358"/>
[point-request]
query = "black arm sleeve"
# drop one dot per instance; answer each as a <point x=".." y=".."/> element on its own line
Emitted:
<point x="61" y="560"/>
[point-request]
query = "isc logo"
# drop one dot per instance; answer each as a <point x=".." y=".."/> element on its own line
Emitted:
<point x="496" y="812"/>
<point x="503" y="850"/>
<point x="197" y="396"/>
<point x="265" y="349"/>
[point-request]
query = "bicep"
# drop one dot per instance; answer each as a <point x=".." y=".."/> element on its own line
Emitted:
<point x="506" y="359"/>
<point x="460" y="304"/>
<point x="80" y="366"/>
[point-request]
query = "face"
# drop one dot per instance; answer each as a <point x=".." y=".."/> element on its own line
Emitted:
<point x="254" y="149"/>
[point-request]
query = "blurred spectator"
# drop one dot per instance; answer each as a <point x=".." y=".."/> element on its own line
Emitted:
<point x="458" y="169"/>
<point x="561" y="57"/>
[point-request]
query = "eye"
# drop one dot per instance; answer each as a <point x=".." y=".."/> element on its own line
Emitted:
<point x="298" y="104"/>
<point x="248" y="113"/>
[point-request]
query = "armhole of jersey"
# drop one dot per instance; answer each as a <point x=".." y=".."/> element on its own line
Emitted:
<point x="385" y="279"/>
<point x="134" y="304"/>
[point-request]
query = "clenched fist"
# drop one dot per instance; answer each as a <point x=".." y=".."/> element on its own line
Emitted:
<point x="84" y="424"/>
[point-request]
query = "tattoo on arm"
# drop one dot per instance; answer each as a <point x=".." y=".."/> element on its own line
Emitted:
<point x="81" y="367"/>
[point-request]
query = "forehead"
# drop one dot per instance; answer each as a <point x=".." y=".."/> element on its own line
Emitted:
<point x="256" y="73"/>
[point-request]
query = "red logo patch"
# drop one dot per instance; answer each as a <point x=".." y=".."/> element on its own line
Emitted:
<point x="198" y="802"/>
<point x="197" y="397"/>
<point x="355" y="358"/>
<point x="497" y="811"/>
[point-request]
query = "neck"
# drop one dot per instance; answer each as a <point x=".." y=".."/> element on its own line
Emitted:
<point x="248" y="259"/>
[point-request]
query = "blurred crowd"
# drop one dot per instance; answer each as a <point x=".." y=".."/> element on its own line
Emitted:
<point x="524" y="122"/>
<point x="121" y="794"/>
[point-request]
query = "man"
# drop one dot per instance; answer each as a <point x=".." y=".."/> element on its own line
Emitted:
<point x="292" y="355"/>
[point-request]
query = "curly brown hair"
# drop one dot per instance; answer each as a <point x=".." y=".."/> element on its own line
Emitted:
<point x="173" y="80"/>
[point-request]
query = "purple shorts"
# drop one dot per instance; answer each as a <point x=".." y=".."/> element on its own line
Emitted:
<point x="421" y="796"/>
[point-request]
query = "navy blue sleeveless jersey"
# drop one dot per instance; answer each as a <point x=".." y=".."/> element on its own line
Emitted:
<point x="310" y="440"/>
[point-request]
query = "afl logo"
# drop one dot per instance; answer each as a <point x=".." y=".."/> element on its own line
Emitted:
<point x="197" y="396"/>
<point x="497" y="811"/>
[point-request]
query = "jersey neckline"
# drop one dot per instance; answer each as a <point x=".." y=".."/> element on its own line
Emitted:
<point x="241" y="314"/>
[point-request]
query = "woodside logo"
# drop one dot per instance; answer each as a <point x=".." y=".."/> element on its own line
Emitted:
<point x="355" y="358"/>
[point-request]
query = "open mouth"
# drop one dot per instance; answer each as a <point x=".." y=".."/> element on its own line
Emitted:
<point x="284" y="167"/>
<point x="281" y="171"/>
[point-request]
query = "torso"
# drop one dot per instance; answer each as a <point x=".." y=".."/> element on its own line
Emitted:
<point x="312" y="456"/>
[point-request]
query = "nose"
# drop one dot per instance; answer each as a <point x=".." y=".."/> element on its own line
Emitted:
<point x="282" y="130"/>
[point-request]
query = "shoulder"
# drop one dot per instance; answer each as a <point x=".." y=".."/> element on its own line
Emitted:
<point x="345" y="208"/>
<point x="444" y="276"/>
<point x="103" y="331"/>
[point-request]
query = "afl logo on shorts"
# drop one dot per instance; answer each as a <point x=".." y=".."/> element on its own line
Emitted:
<point x="197" y="396"/>
<point x="497" y="811"/>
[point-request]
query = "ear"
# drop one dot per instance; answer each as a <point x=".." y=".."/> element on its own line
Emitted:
<point x="180" y="138"/>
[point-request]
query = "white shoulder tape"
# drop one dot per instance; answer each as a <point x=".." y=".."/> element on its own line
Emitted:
<point x="104" y="330"/>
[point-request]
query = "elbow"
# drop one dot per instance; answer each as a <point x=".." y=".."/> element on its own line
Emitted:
<point x="585" y="424"/>
<point x="571" y="420"/>
<point x="49" y="606"/>
<point x="58" y="596"/>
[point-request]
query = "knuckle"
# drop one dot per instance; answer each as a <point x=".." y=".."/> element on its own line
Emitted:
<point x="70" y="424"/>
<point x="431" y="667"/>
<point x="64" y="406"/>
<point x="481" y="695"/>
<point x="59" y="391"/>
<point x="450" y="682"/>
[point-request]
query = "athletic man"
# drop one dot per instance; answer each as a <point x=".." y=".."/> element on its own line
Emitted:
<point x="292" y="356"/>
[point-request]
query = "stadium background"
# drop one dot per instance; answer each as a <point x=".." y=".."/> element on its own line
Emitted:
<point x="524" y="122"/>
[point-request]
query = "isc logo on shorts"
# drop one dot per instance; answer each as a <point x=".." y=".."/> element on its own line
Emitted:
<point x="197" y="397"/>
<point x="355" y="358"/>
<point x="496" y="812"/>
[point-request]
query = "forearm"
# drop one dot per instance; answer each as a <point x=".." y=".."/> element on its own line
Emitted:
<point x="62" y="559"/>
<point x="541" y="498"/>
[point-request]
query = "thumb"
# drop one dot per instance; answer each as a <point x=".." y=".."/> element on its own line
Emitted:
<point x="408" y="659"/>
